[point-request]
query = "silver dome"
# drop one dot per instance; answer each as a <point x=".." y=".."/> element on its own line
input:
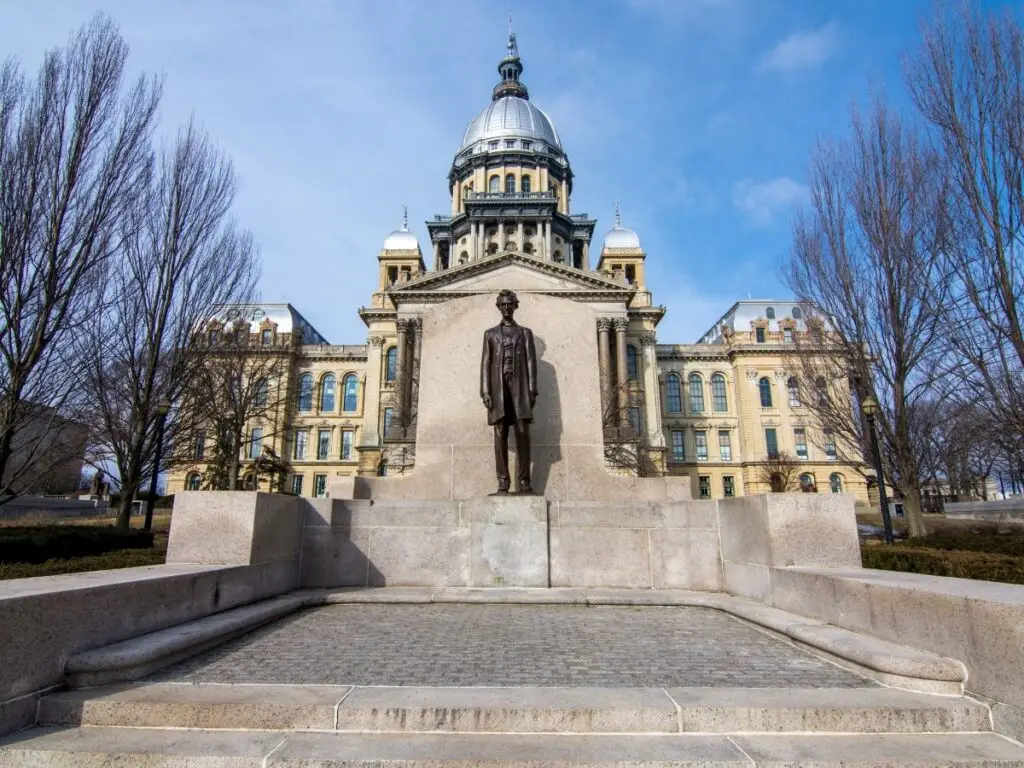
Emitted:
<point x="510" y="117"/>
<point x="401" y="240"/>
<point x="620" y="237"/>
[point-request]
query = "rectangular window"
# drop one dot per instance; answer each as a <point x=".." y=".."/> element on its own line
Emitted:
<point x="323" y="443"/>
<point x="830" y="444"/>
<point x="678" y="446"/>
<point x="787" y="335"/>
<point x="527" y="145"/>
<point x="728" y="486"/>
<point x="266" y="336"/>
<point x="320" y="486"/>
<point x="510" y="143"/>
<point x="297" y="485"/>
<point x="389" y="415"/>
<point x="704" y="484"/>
<point x="634" y="419"/>
<point x="256" y="443"/>
<point x="301" y="437"/>
<point x="724" y="445"/>
<point x="771" y="442"/>
<point x="700" y="439"/>
<point x="800" y="442"/>
<point x="492" y="145"/>
<point x="759" y="335"/>
<point x="200" y="446"/>
<point x="346" y="444"/>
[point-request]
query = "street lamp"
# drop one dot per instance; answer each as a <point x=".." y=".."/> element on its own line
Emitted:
<point x="162" y="409"/>
<point x="870" y="406"/>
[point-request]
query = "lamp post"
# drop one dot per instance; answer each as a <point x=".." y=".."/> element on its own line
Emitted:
<point x="161" y="409"/>
<point x="870" y="406"/>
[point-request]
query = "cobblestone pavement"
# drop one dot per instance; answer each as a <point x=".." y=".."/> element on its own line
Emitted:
<point x="512" y="645"/>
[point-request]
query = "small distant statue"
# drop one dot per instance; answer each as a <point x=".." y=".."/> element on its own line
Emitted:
<point x="508" y="387"/>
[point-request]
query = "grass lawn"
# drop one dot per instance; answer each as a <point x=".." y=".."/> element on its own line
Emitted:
<point x="966" y="549"/>
<point x="124" y="558"/>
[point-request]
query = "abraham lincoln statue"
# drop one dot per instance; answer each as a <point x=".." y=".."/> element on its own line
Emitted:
<point x="508" y="386"/>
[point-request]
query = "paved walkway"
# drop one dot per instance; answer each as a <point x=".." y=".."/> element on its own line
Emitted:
<point x="513" y="645"/>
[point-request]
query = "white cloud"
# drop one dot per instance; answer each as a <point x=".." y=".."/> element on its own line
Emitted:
<point x="808" y="48"/>
<point x="763" y="201"/>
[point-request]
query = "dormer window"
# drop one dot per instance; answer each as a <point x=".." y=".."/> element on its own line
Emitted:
<point x="492" y="145"/>
<point x="510" y="143"/>
<point x="797" y="313"/>
<point x="527" y="145"/>
<point x="759" y="335"/>
<point x="770" y="313"/>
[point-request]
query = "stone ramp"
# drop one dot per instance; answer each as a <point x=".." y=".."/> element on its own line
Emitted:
<point x="92" y="747"/>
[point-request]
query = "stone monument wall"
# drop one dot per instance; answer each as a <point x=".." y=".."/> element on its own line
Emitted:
<point x="454" y="444"/>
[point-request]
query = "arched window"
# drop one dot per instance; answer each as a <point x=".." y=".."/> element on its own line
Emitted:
<point x="391" y="364"/>
<point x="463" y="257"/>
<point x="327" y="393"/>
<point x="807" y="483"/>
<point x="525" y="185"/>
<point x="494" y="183"/>
<point x="764" y="387"/>
<point x="673" y="394"/>
<point x="770" y="313"/>
<point x="793" y="387"/>
<point x="262" y="394"/>
<point x="835" y="482"/>
<point x="719" y="400"/>
<point x="510" y="184"/>
<point x="527" y="247"/>
<point x="632" y="372"/>
<point x="194" y="482"/>
<point x="492" y="248"/>
<point x="350" y="393"/>
<point x="696" y="387"/>
<point x="306" y="392"/>
<point x="797" y="313"/>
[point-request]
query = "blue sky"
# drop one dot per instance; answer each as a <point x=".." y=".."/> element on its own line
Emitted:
<point x="697" y="115"/>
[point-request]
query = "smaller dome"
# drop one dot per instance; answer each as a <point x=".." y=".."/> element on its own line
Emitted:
<point x="401" y="240"/>
<point x="620" y="237"/>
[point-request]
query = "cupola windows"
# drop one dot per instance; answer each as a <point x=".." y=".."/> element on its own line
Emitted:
<point x="525" y="185"/>
<point x="494" y="184"/>
<point x="510" y="184"/>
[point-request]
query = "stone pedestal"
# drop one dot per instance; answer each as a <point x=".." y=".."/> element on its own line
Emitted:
<point x="508" y="541"/>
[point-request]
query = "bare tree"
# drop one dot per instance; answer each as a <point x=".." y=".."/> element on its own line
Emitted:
<point x="626" y="449"/>
<point x="74" y="154"/>
<point x="181" y="257"/>
<point x="780" y="473"/>
<point x="967" y="79"/>
<point x="240" y="400"/>
<point x="867" y="257"/>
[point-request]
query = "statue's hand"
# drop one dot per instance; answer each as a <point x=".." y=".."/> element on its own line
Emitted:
<point x="487" y="402"/>
<point x="533" y="399"/>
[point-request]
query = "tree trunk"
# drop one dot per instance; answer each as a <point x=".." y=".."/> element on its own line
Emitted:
<point x="912" y="509"/>
<point x="124" y="510"/>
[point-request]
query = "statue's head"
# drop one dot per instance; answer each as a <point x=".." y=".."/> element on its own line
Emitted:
<point x="507" y="303"/>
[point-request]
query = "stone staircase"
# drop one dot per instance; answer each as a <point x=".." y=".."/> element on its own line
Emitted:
<point x="207" y="725"/>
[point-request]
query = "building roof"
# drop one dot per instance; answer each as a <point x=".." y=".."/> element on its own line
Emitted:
<point x="285" y="315"/>
<point x="742" y="313"/>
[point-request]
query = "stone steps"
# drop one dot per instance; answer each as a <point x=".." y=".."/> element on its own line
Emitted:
<point x="92" y="747"/>
<point x="514" y="710"/>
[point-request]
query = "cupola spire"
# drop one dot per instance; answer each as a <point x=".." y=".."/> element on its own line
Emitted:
<point x="510" y="68"/>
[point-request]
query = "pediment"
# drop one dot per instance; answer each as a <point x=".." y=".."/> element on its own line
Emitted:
<point x="514" y="271"/>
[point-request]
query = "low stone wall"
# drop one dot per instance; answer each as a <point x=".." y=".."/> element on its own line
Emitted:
<point x="226" y="550"/>
<point x="997" y="511"/>
<point x="798" y="552"/>
<point x="41" y="506"/>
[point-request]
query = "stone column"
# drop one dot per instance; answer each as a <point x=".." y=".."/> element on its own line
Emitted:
<point x="652" y="399"/>
<point x="371" y="392"/>
<point x="519" y="236"/>
<point x="549" y="254"/>
<point x="585" y="264"/>
<point x="620" y="363"/>
<point x="403" y="325"/>
<point x="604" y="326"/>
<point x="412" y="393"/>
<point x="437" y="256"/>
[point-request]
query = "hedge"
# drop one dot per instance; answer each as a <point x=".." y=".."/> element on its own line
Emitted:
<point x="940" y="562"/>
<point x="48" y="542"/>
<point x="124" y="558"/>
<point x="993" y="543"/>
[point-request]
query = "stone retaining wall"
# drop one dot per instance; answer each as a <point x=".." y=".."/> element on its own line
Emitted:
<point x="997" y="511"/>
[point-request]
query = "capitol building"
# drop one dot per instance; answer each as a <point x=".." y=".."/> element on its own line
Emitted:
<point x="713" y="410"/>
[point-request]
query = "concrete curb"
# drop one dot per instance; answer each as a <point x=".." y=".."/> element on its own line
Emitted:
<point x="143" y="655"/>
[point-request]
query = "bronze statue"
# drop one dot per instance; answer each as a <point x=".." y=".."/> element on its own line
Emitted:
<point x="508" y="386"/>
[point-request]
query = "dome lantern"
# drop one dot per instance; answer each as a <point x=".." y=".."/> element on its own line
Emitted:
<point x="620" y="236"/>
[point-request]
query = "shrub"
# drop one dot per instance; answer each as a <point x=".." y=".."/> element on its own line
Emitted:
<point x="48" y="542"/>
<point x="960" y="564"/>
<point x="124" y="558"/>
<point x="994" y="543"/>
